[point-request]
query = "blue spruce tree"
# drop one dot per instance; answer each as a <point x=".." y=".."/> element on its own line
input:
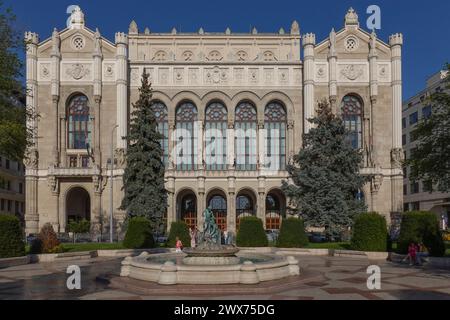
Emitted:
<point x="325" y="175"/>
<point x="144" y="190"/>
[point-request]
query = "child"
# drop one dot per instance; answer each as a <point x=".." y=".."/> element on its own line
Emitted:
<point x="412" y="253"/>
<point x="178" y="245"/>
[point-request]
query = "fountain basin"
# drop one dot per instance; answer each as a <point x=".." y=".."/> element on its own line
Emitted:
<point x="170" y="269"/>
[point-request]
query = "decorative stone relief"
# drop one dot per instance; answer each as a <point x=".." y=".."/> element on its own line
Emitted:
<point x="109" y="70"/>
<point x="384" y="72"/>
<point x="78" y="71"/>
<point x="178" y="75"/>
<point x="214" y="56"/>
<point x="268" y="56"/>
<point x="377" y="181"/>
<point x="239" y="75"/>
<point x="31" y="160"/>
<point x="397" y="158"/>
<point x="160" y="56"/>
<point x="53" y="184"/>
<point x="121" y="159"/>
<point x="45" y="71"/>
<point x="352" y="72"/>
<point x="163" y="76"/>
<point x="297" y="76"/>
<point x="283" y="75"/>
<point x="242" y="55"/>
<point x="188" y="55"/>
<point x="321" y="73"/>
<point x="268" y="76"/>
<point x="193" y="76"/>
<point x="216" y="75"/>
<point x="253" y="75"/>
<point x="99" y="183"/>
<point x="134" y="75"/>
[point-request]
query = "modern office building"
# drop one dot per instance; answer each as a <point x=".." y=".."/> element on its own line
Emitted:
<point x="232" y="108"/>
<point x="415" y="109"/>
<point x="12" y="188"/>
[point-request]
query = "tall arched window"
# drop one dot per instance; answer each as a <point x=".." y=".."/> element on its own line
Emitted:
<point x="79" y="125"/>
<point x="161" y="115"/>
<point x="245" y="137"/>
<point x="275" y="125"/>
<point x="218" y="205"/>
<point x="187" y="137"/>
<point x="352" y="113"/>
<point x="216" y="137"/>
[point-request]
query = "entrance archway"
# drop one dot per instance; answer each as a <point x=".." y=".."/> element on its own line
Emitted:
<point x="275" y="209"/>
<point x="217" y="202"/>
<point x="78" y="205"/>
<point x="187" y="208"/>
<point x="245" y="205"/>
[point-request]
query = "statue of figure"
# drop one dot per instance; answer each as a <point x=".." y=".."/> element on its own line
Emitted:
<point x="77" y="16"/>
<point x="211" y="233"/>
<point x="97" y="42"/>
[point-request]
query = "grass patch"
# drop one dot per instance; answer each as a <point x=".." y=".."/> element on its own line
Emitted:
<point x="329" y="245"/>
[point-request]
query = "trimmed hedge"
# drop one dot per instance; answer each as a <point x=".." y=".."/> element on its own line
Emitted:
<point x="251" y="233"/>
<point x="292" y="234"/>
<point x="139" y="234"/>
<point x="370" y="233"/>
<point x="11" y="238"/>
<point x="179" y="229"/>
<point x="421" y="226"/>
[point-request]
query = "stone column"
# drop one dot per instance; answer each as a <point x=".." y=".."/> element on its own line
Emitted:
<point x="261" y="152"/>
<point x="309" y="42"/>
<point x="201" y="201"/>
<point x="230" y="146"/>
<point x="171" y="209"/>
<point x="231" y="204"/>
<point x="200" y="146"/>
<point x="32" y="155"/>
<point x="396" y="42"/>
<point x="122" y="89"/>
<point x="63" y="131"/>
<point x="261" y="210"/>
<point x="98" y="75"/>
<point x="290" y="136"/>
<point x="332" y="61"/>
<point x="55" y="81"/>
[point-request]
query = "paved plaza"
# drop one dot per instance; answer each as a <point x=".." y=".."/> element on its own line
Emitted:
<point x="327" y="278"/>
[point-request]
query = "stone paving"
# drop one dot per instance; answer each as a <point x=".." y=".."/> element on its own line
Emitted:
<point x="331" y="278"/>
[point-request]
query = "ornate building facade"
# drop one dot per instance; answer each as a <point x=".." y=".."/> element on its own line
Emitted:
<point x="208" y="89"/>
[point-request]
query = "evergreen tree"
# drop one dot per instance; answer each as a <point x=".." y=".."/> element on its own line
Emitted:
<point x="145" y="193"/>
<point x="430" y="160"/>
<point x="325" y="175"/>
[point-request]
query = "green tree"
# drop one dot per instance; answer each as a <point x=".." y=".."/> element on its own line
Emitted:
<point x="325" y="175"/>
<point x="78" y="227"/>
<point x="14" y="135"/>
<point x="145" y="193"/>
<point x="430" y="159"/>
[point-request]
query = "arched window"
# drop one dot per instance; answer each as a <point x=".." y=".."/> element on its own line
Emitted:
<point x="216" y="137"/>
<point x="244" y="207"/>
<point x="187" y="137"/>
<point x="275" y="125"/>
<point x="275" y="210"/>
<point x="218" y="205"/>
<point x="161" y="115"/>
<point x="79" y="124"/>
<point x="352" y="113"/>
<point x="245" y="137"/>
<point x="188" y="210"/>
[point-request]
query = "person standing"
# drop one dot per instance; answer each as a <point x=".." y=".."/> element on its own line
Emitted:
<point x="178" y="245"/>
<point x="193" y="234"/>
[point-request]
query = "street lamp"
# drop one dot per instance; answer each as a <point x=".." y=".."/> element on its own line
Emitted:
<point x="111" y="213"/>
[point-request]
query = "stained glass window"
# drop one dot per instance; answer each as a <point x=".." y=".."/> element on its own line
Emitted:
<point x="79" y="124"/>
<point x="187" y="137"/>
<point x="216" y="137"/>
<point x="275" y="134"/>
<point x="352" y="112"/>
<point x="161" y="115"/>
<point x="246" y="137"/>
<point x="218" y="205"/>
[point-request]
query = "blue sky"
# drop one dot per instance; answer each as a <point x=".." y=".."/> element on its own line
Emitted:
<point x="424" y="24"/>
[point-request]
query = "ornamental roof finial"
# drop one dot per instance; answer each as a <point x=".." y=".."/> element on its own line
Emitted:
<point x="351" y="18"/>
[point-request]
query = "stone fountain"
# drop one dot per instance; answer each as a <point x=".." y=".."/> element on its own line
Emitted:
<point x="209" y="263"/>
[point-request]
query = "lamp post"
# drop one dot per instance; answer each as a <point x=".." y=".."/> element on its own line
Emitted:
<point x="111" y="213"/>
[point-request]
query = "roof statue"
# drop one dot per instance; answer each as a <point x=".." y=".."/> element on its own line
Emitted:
<point x="76" y="18"/>
<point x="351" y="18"/>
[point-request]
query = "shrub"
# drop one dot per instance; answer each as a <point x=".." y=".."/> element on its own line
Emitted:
<point x="370" y="233"/>
<point x="420" y="226"/>
<point x="179" y="229"/>
<point x="292" y="234"/>
<point x="139" y="234"/>
<point x="47" y="241"/>
<point x="251" y="233"/>
<point x="11" y="237"/>
<point x="79" y="227"/>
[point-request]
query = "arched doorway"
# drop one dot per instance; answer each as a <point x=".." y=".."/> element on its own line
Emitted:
<point x="187" y="208"/>
<point x="245" y="206"/>
<point x="78" y="205"/>
<point x="275" y="209"/>
<point x="217" y="202"/>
